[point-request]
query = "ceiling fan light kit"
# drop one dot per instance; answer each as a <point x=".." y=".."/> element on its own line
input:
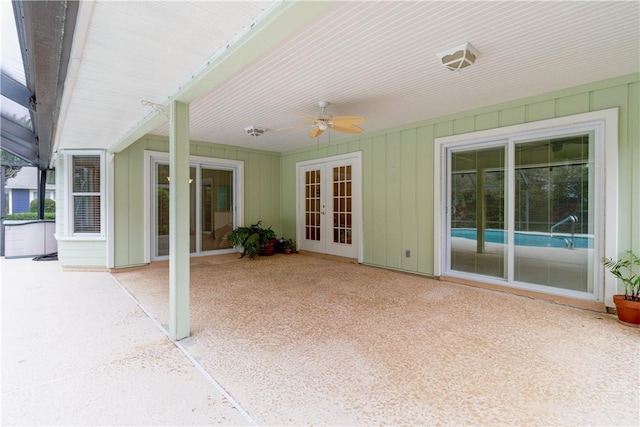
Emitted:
<point x="459" y="57"/>
<point x="325" y="121"/>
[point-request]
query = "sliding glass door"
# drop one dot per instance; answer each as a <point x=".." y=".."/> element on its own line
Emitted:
<point x="478" y="221"/>
<point x="161" y="217"/>
<point x="523" y="211"/>
<point x="554" y="224"/>
<point x="213" y="194"/>
<point x="217" y="208"/>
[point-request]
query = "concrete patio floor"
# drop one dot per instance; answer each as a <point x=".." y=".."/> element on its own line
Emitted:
<point x="78" y="350"/>
<point x="300" y="340"/>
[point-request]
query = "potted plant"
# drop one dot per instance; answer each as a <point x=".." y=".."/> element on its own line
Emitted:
<point x="627" y="270"/>
<point x="254" y="240"/>
<point x="290" y="247"/>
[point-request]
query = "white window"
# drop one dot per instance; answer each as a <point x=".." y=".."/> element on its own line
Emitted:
<point x="86" y="194"/>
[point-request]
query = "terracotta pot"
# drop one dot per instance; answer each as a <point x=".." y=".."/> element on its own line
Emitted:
<point x="628" y="311"/>
<point x="287" y="251"/>
<point x="269" y="248"/>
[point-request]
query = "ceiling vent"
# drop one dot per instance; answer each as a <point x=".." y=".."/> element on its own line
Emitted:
<point x="459" y="57"/>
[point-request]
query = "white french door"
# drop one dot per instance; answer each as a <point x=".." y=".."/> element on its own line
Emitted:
<point x="329" y="205"/>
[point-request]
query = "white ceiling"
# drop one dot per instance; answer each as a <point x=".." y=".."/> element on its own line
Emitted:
<point x="373" y="59"/>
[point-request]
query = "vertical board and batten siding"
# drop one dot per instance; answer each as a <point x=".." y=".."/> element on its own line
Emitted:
<point x="261" y="190"/>
<point x="397" y="170"/>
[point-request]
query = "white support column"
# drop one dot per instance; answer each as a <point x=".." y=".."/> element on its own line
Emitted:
<point x="179" y="222"/>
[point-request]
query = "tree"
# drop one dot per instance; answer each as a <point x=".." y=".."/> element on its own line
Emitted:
<point x="10" y="171"/>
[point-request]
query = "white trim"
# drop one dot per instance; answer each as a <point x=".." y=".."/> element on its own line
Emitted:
<point x="147" y="180"/>
<point x="605" y="123"/>
<point x="85" y="9"/>
<point x="357" y="195"/>
<point x="150" y="157"/>
<point x="110" y="212"/>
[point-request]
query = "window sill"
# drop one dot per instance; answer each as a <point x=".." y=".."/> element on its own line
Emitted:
<point x="98" y="238"/>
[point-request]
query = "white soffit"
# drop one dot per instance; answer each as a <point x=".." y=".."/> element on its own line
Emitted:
<point x="129" y="51"/>
<point x="372" y="59"/>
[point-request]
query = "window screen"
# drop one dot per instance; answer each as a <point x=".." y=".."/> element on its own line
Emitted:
<point x="86" y="194"/>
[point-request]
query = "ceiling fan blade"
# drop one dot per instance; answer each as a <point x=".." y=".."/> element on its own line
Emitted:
<point x="347" y="128"/>
<point x="288" y="128"/>
<point x="315" y="132"/>
<point x="311" y="119"/>
<point x="346" y="120"/>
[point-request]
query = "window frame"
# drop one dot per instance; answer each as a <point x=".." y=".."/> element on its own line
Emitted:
<point x="70" y="216"/>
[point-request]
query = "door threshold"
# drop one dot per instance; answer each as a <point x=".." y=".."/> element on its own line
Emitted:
<point x="573" y="302"/>
<point x="329" y="257"/>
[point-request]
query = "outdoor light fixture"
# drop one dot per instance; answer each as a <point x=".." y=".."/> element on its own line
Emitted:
<point x="459" y="57"/>
<point x="254" y="131"/>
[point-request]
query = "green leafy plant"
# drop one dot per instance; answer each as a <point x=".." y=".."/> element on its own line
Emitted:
<point x="252" y="239"/>
<point x="626" y="269"/>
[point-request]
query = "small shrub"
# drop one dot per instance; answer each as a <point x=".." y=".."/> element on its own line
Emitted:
<point x="49" y="205"/>
<point x="29" y="216"/>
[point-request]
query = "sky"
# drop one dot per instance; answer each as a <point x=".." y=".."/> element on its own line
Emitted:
<point x="11" y="58"/>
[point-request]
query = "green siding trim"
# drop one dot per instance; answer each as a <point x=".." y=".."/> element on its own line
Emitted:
<point x="397" y="169"/>
<point x="262" y="190"/>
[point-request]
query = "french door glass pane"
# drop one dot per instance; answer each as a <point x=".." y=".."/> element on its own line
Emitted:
<point x="312" y="205"/>
<point x="342" y="204"/>
<point x="553" y="214"/>
<point x="217" y="211"/>
<point x="478" y="236"/>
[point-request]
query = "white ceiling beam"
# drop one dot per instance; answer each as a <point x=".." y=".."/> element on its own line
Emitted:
<point x="264" y="35"/>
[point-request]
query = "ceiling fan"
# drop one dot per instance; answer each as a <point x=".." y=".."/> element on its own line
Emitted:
<point x="326" y="121"/>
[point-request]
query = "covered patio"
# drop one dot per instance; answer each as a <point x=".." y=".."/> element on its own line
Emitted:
<point x="302" y="340"/>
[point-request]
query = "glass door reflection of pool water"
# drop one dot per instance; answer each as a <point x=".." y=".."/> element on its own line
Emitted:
<point x="523" y="211"/>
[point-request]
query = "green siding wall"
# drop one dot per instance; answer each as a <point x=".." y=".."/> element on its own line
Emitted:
<point x="83" y="253"/>
<point x="398" y="182"/>
<point x="261" y="192"/>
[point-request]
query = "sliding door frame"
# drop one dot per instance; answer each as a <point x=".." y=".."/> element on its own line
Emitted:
<point x="605" y="125"/>
<point x="151" y="158"/>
